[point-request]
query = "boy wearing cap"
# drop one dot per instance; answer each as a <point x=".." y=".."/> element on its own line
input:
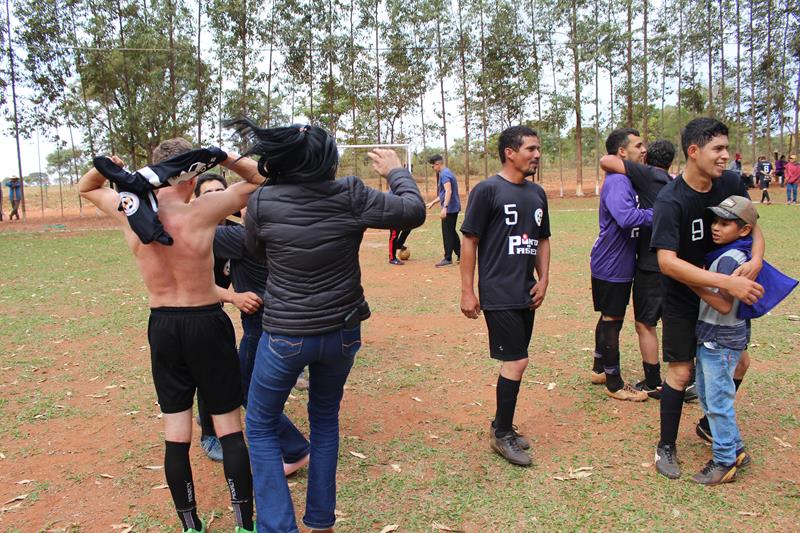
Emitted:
<point x="721" y="338"/>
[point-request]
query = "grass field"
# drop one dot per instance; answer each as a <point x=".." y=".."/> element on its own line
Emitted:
<point x="79" y="428"/>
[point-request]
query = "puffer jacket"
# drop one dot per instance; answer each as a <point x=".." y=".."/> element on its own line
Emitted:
<point x="310" y="235"/>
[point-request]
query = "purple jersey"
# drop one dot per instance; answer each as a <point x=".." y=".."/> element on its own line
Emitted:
<point x="613" y="256"/>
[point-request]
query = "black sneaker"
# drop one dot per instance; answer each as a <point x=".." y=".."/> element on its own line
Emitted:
<point x="690" y="394"/>
<point x="443" y="263"/>
<point x="742" y="458"/>
<point x="509" y="449"/>
<point x="395" y="261"/>
<point x="703" y="430"/>
<point x="667" y="461"/>
<point x="653" y="392"/>
<point x="522" y="442"/>
<point x="715" y="473"/>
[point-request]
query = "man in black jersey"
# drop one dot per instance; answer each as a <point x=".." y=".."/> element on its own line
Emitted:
<point x="507" y="226"/>
<point x="681" y="238"/>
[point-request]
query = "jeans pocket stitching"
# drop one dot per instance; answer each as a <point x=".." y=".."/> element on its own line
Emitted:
<point x="276" y="341"/>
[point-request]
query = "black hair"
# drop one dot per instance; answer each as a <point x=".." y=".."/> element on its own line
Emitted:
<point x="435" y="159"/>
<point x="660" y="154"/>
<point x="512" y="138"/>
<point x="700" y="131"/>
<point x="619" y="139"/>
<point x="290" y="154"/>
<point x="208" y="176"/>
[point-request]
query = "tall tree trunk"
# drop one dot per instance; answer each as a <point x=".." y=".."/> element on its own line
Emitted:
<point x="645" y="83"/>
<point x="484" y="118"/>
<point x="782" y="96"/>
<point x="576" y="63"/>
<point x="172" y="82"/>
<point x="770" y="85"/>
<point x="796" y="137"/>
<point x="723" y="101"/>
<point x="441" y="83"/>
<point x="680" y="78"/>
<point x="709" y="42"/>
<point x="127" y="88"/>
<point x="461" y="47"/>
<point x="14" y="106"/>
<point x="629" y="67"/>
<point x="752" y="88"/>
<point x="377" y="77"/>
<point x="596" y="100"/>
<point x="84" y="98"/>
<point x="352" y="84"/>
<point x="269" y="63"/>
<point x="424" y="142"/>
<point x="329" y="53"/>
<point x="558" y="127"/>
<point x="739" y="131"/>
<point x="199" y="72"/>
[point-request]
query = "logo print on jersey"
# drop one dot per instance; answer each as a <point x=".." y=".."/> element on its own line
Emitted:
<point x="522" y="245"/>
<point x="537" y="216"/>
<point x="129" y="203"/>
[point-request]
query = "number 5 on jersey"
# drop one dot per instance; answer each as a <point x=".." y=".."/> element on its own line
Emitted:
<point x="511" y="211"/>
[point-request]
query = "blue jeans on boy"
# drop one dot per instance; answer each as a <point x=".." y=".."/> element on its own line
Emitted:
<point x="715" y="367"/>
<point x="279" y="360"/>
<point x="791" y="192"/>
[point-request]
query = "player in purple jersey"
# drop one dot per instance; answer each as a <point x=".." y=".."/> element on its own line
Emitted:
<point x="613" y="263"/>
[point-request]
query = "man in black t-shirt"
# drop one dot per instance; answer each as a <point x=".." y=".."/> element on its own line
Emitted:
<point x="681" y="238"/>
<point x="647" y="180"/>
<point x="507" y="225"/>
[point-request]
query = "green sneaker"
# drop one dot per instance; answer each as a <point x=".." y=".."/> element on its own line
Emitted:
<point x="243" y="530"/>
<point x="202" y="528"/>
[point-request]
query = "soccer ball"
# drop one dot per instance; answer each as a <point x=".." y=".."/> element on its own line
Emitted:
<point x="404" y="254"/>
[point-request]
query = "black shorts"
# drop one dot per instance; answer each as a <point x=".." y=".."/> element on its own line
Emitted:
<point x="510" y="332"/>
<point x="610" y="298"/>
<point x="678" y="339"/>
<point x="194" y="348"/>
<point x="647" y="297"/>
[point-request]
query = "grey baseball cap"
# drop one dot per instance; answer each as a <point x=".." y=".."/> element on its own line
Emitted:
<point x="734" y="207"/>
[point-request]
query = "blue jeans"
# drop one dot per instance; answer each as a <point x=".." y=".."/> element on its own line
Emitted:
<point x="279" y="361"/>
<point x="715" y="387"/>
<point x="791" y="192"/>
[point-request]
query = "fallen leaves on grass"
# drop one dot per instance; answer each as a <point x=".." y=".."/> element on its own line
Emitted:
<point x="390" y="527"/>
<point x="551" y="386"/>
<point x="357" y="454"/>
<point x="16" y="499"/>
<point x="100" y="395"/>
<point x="123" y="528"/>
<point x="24" y="481"/>
<point x="396" y="468"/>
<point x="436" y="526"/>
<point x="159" y="487"/>
<point x="107" y="476"/>
<point x="576" y="473"/>
<point x="793" y="318"/>
<point x="747" y="513"/>
<point x="153" y="467"/>
<point x="782" y="442"/>
<point x="416" y="399"/>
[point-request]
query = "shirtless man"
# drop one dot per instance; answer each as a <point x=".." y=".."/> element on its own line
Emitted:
<point x="192" y="342"/>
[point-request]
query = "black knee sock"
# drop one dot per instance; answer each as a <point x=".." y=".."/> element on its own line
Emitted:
<point x="507" y="392"/>
<point x="178" y="472"/>
<point x="597" y="365"/>
<point x="609" y="346"/>
<point x="671" y="408"/>
<point x="652" y="374"/>
<point x="236" y="464"/>
<point x="206" y="423"/>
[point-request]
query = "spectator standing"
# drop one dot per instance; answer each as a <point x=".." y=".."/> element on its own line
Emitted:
<point x="792" y="175"/>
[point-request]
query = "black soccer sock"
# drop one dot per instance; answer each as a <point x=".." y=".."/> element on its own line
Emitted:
<point x="236" y="464"/>
<point x="206" y="422"/>
<point x="671" y="408"/>
<point x="609" y="347"/>
<point x="597" y="365"/>
<point x="737" y="383"/>
<point x="507" y="392"/>
<point x="652" y="374"/>
<point x="178" y="472"/>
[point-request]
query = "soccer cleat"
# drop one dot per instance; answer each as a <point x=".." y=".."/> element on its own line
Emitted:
<point x="395" y="262"/>
<point x="509" y="449"/>
<point x="598" y="378"/>
<point x="690" y="394"/>
<point x="714" y="474"/>
<point x="240" y="529"/>
<point x="522" y="442"/>
<point x="703" y="430"/>
<point x="628" y="393"/>
<point x="742" y="458"/>
<point x="212" y="447"/>
<point x="653" y="392"/>
<point x="201" y="530"/>
<point x="443" y="263"/>
<point x="667" y="461"/>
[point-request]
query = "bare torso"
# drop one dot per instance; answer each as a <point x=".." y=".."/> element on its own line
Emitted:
<point x="181" y="275"/>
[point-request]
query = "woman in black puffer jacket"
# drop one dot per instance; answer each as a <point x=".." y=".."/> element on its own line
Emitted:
<point x="309" y="226"/>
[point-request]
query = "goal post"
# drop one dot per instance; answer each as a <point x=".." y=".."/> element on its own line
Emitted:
<point x="358" y="166"/>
